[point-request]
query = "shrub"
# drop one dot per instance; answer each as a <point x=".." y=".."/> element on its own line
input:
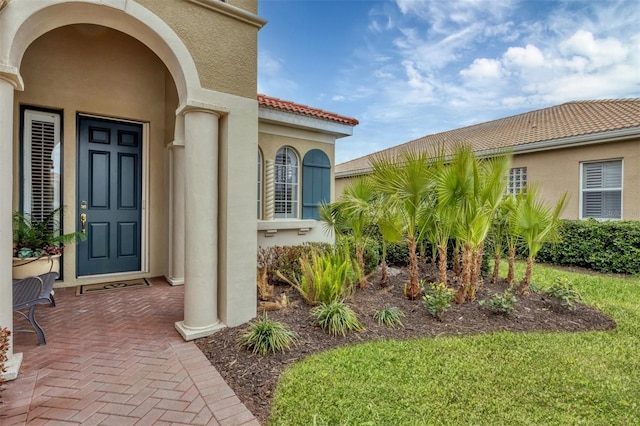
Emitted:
<point x="286" y="259"/>
<point x="326" y="277"/>
<point x="389" y="317"/>
<point x="611" y="246"/>
<point x="371" y="252"/>
<point x="438" y="299"/>
<point x="500" y="304"/>
<point x="266" y="336"/>
<point x="4" y="347"/>
<point x="398" y="254"/>
<point x="336" y="318"/>
<point x="563" y="291"/>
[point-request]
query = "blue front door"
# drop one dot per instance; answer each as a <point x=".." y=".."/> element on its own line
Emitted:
<point x="109" y="196"/>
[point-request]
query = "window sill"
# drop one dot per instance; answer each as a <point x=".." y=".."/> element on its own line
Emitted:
<point x="271" y="227"/>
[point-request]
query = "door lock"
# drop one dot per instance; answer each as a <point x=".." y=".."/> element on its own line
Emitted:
<point x="83" y="222"/>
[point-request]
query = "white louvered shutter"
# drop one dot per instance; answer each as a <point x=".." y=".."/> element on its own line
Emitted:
<point x="41" y="163"/>
<point x="602" y="190"/>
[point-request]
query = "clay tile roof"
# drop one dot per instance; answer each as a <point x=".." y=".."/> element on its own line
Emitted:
<point x="571" y="119"/>
<point x="288" y="106"/>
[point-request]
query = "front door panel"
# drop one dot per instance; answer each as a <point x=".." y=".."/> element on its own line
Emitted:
<point x="110" y="194"/>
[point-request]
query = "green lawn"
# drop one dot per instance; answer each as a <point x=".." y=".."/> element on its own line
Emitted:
<point x="496" y="379"/>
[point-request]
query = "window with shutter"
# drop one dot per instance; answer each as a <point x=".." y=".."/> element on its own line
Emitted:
<point x="601" y="190"/>
<point x="41" y="163"/>
<point x="286" y="184"/>
<point x="316" y="183"/>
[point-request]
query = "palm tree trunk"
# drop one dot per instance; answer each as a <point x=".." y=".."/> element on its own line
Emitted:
<point x="526" y="281"/>
<point x="442" y="264"/>
<point x="413" y="291"/>
<point x="496" y="269"/>
<point x="512" y="265"/>
<point x="477" y="278"/>
<point x="360" y="260"/>
<point x="473" y="284"/>
<point x="461" y="294"/>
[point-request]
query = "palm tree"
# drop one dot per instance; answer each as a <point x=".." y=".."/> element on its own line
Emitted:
<point x="535" y="223"/>
<point x="473" y="188"/>
<point x="404" y="183"/>
<point x="354" y="213"/>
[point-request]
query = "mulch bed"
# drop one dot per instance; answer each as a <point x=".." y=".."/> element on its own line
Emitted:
<point x="254" y="377"/>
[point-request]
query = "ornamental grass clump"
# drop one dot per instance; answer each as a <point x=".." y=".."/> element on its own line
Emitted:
<point x="564" y="292"/>
<point x="266" y="336"/>
<point x="500" y="304"/>
<point x="326" y="277"/>
<point x="438" y="299"/>
<point x="389" y="316"/>
<point x="336" y="318"/>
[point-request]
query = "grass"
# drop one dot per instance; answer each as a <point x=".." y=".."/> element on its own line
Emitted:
<point x="504" y="378"/>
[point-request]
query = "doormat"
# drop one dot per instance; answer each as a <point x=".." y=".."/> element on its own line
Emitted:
<point x="116" y="285"/>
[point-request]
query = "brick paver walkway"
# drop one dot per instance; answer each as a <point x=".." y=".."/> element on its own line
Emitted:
<point x="115" y="358"/>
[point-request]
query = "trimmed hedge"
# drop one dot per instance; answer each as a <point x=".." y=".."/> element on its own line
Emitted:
<point x="371" y="253"/>
<point x="612" y="246"/>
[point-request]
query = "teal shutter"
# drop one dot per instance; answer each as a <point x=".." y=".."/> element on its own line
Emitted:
<point x="316" y="183"/>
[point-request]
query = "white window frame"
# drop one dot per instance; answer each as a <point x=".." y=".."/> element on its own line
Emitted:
<point x="517" y="180"/>
<point x="617" y="189"/>
<point x="31" y="116"/>
<point x="292" y="171"/>
<point x="259" y="184"/>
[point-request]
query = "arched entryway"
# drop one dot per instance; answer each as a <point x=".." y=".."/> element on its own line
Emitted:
<point x="121" y="65"/>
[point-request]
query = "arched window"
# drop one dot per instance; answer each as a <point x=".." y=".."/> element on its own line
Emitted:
<point x="316" y="183"/>
<point x="286" y="184"/>
<point x="259" y="184"/>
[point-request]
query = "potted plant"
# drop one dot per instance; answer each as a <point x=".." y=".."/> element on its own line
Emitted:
<point x="38" y="244"/>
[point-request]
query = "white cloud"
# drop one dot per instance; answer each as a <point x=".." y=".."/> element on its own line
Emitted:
<point x="527" y="57"/>
<point x="338" y="98"/>
<point x="599" y="52"/>
<point x="483" y="69"/>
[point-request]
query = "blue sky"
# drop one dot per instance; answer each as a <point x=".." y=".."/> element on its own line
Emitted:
<point x="409" y="68"/>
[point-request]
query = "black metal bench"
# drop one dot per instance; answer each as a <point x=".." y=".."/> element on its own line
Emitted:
<point x="30" y="292"/>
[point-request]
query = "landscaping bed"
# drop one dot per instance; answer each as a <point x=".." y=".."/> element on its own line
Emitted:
<point x="254" y="377"/>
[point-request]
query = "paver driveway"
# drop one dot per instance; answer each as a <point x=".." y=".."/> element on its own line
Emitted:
<point x="115" y="358"/>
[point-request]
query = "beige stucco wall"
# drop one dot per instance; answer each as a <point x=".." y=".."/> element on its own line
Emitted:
<point x="271" y="138"/>
<point x="559" y="170"/>
<point x="96" y="70"/>
<point x="224" y="48"/>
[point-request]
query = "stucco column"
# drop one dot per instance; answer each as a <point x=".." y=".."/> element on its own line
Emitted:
<point x="270" y="190"/>
<point x="176" y="213"/>
<point x="6" y="240"/>
<point x="201" y="223"/>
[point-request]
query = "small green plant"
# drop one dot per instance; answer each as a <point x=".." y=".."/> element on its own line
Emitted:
<point x="501" y="304"/>
<point x="336" y="318"/>
<point x="37" y="237"/>
<point x="266" y="336"/>
<point x="563" y="290"/>
<point x="326" y="277"/>
<point x="438" y="299"/>
<point x="389" y="317"/>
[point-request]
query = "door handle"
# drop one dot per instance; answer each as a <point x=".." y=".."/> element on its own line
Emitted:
<point x="83" y="222"/>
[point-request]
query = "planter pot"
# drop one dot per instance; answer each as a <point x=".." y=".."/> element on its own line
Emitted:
<point x="30" y="266"/>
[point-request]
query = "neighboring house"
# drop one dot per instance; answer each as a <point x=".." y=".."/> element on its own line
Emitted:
<point x="295" y="170"/>
<point x="144" y="115"/>
<point x="591" y="149"/>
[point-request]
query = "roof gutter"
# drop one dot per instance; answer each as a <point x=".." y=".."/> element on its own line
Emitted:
<point x="617" y="135"/>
